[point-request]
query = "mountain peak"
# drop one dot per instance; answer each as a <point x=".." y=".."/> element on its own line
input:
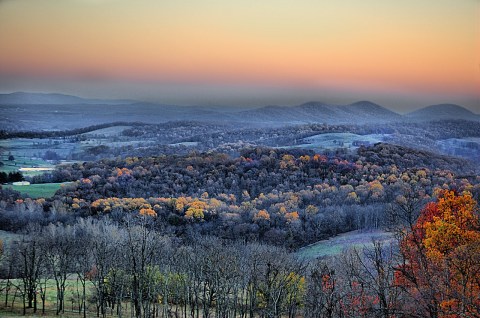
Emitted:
<point x="447" y="108"/>
<point x="368" y="107"/>
<point x="313" y="103"/>
<point x="365" y="103"/>
<point x="443" y="111"/>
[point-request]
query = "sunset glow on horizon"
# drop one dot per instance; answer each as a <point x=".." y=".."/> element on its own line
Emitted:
<point x="429" y="47"/>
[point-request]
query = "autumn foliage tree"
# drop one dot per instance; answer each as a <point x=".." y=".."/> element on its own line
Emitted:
<point x="441" y="267"/>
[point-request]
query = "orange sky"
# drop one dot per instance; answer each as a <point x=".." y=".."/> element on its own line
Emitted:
<point x="428" y="48"/>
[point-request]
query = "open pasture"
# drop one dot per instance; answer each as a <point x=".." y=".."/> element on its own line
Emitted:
<point x="331" y="141"/>
<point x="27" y="166"/>
<point x="107" y="132"/>
<point x="338" y="244"/>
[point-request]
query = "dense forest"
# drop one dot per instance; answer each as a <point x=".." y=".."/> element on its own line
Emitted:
<point x="283" y="197"/>
<point x="209" y="222"/>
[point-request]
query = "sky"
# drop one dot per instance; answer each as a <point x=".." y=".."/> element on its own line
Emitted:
<point x="401" y="54"/>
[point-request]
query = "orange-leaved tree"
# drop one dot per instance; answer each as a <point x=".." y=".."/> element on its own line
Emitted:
<point x="441" y="258"/>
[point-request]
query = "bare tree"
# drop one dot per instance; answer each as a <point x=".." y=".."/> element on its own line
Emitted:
<point x="82" y="261"/>
<point x="142" y="246"/>
<point x="324" y="291"/>
<point x="106" y="241"/>
<point x="58" y="242"/>
<point x="30" y="263"/>
<point x="373" y="269"/>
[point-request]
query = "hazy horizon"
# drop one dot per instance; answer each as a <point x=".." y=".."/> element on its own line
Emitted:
<point x="258" y="104"/>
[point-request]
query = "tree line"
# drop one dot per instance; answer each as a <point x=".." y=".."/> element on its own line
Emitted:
<point x="9" y="134"/>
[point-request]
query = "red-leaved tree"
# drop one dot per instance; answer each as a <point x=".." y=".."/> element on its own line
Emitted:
<point x="441" y="259"/>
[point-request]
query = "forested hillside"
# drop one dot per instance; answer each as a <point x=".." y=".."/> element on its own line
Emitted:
<point x="283" y="197"/>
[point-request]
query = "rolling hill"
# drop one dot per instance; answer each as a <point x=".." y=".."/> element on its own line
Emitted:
<point x="442" y="112"/>
<point x="317" y="112"/>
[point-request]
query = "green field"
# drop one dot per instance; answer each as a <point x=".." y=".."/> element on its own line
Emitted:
<point x="21" y="162"/>
<point x="44" y="190"/>
<point x="25" y="154"/>
<point x="342" y="242"/>
<point x="8" y="167"/>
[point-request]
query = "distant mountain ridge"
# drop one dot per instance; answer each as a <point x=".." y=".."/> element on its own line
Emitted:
<point x="23" y="98"/>
<point x="59" y="111"/>
<point x="310" y="112"/>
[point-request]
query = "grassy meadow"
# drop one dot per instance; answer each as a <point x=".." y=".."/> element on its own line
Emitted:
<point x="336" y="245"/>
<point x="35" y="191"/>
